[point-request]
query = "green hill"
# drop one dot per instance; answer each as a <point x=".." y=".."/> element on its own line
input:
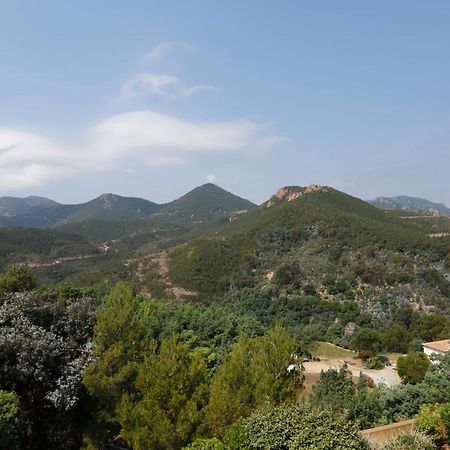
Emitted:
<point x="316" y="240"/>
<point x="111" y="207"/>
<point x="36" y="247"/>
<point x="203" y="202"/>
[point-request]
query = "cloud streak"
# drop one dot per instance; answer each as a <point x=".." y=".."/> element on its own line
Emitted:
<point x="145" y="85"/>
<point x="164" y="48"/>
<point x="139" y="137"/>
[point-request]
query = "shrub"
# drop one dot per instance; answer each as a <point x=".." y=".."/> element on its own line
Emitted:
<point x="429" y="422"/>
<point x="410" y="441"/>
<point x="374" y="363"/>
<point x="299" y="426"/>
<point x="206" y="444"/>
<point x="412" y="367"/>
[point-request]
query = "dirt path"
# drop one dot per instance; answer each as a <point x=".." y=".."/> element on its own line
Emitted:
<point x="60" y="260"/>
<point x="386" y="376"/>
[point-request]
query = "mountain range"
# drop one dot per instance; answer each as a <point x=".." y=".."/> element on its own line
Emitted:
<point x="209" y="242"/>
<point x="39" y="212"/>
<point x="202" y="203"/>
<point x="411" y="205"/>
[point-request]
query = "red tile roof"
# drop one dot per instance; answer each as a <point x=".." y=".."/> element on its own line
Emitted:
<point x="441" y="346"/>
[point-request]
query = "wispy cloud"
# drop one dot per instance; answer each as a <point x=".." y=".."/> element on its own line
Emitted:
<point x="144" y="85"/>
<point x="164" y="48"/>
<point x="116" y="143"/>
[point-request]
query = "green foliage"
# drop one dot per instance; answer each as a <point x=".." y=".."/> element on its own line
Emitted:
<point x="211" y="259"/>
<point x="19" y="245"/>
<point x="299" y="426"/>
<point x="17" y="278"/>
<point x="396" y="339"/>
<point x="404" y="401"/>
<point x="171" y="390"/>
<point x="334" y="390"/>
<point x="410" y="441"/>
<point x="429" y="422"/>
<point x="374" y="363"/>
<point x="206" y="444"/>
<point x="437" y="376"/>
<point x="255" y="372"/>
<point x="119" y="348"/>
<point x="44" y="349"/>
<point x="236" y="437"/>
<point x="412" y="367"/>
<point x="366" y="341"/>
<point x="8" y="416"/>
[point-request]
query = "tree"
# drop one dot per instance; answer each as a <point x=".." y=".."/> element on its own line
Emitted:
<point x="253" y="373"/>
<point x="413" y="367"/>
<point x="8" y="416"/>
<point x="17" y="278"/>
<point x="334" y="390"/>
<point x="44" y="348"/>
<point x="437" y="376"/>
<point x="120" y="346"/>
<point x="171" y="389"/>
<point x="366" y="341"/>
<point x="396" y="338"/>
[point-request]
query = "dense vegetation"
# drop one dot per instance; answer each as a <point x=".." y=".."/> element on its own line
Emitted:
<point x="101" y="363"/>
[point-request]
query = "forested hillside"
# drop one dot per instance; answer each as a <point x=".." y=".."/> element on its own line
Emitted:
<point x="190" y="328"/>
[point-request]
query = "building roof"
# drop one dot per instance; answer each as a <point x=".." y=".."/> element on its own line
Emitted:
<point x="440" y="346"/>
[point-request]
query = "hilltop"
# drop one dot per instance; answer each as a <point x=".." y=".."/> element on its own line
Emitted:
<point x="411" y="204"/>
<point x="318" y="240"/>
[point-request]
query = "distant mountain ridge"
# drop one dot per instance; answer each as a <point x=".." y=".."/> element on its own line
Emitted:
<point x="11" y="206"/>
<point x="39" y="212"/>
<point x="411" y="204"/>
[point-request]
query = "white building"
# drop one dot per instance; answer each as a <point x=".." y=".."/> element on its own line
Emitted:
<point x="436" y="347"/>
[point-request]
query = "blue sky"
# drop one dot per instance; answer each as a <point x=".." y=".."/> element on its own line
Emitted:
<point x="152" y="99"/>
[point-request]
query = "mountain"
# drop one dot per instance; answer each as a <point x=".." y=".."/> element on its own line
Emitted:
<point x="411" y="204"/>
<point x="36" y="212"/>
<point x="202" y="204"/>
<point x="205" y="201"/>
<point x="111" y="207"/>
<point x="13" y="206"/>
<point x="305" y="241"/>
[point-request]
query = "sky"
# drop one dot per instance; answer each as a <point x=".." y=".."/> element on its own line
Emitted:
<point x="152" y="98"/>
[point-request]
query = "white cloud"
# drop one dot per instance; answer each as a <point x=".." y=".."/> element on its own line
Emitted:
<point x="28" y="160"/>
<point x="119" y="142"/>
<point x="211" y="178"/>
<point x="164" y="48"/>
<point x="146" y="84"/>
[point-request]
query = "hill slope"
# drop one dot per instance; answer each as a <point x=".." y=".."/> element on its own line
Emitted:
<point x="411" y="204"/>
<point x="111" y="207"/>
<point x="319" y="240"/>
<point x="205" y="201"/>
<point x="37" y="247"/>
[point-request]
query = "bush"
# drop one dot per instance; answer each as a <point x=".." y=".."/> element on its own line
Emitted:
<point x="410" y="441"/>
<point x="299" y="426"/>
<point x="413" y="367"/>
<point x="374" y="363"/>
<point x="206" y="444"/>
<point x="430" y="423"/>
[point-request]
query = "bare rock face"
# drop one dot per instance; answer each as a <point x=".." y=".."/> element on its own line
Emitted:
<point x="290" y="193"/>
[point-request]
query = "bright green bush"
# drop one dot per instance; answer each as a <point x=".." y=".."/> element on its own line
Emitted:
<point x="374" y="363"/>
<point x="299" y="426"/>
<point x="206" y="444"/>
<point x="430" y="423"/>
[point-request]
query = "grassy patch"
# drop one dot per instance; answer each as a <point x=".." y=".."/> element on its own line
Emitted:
<point x="330" y="351"/>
